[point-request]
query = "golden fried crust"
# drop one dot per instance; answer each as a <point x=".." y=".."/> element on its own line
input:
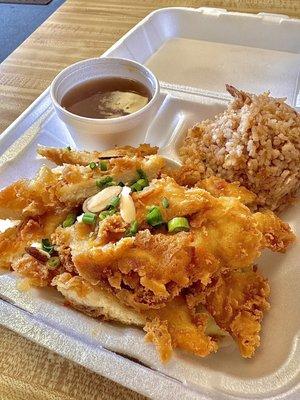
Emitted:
<point x="14" y="240"/>
<point x="68" y="186"/>
<point x="172" y="327"/>
<point x="158" y="333"/>
<point x="219" y="187"/>
<point x="112" y="229"/>
<point x="190" y="176"/>
<point x="229" y="232"/>
<point x="182" y="201"/>
<point x="237" y="301"/>
<point x="154" y="267"/>
<point x="66" y="156"/>
<point x="18" y="197"/>
<point x="186" y="175"/>
<point x="277" y="234"/>
<point x="30" y="198"/>
<point x="37" y="273"/>
<point x="94" y="300"/>
<point x="149" y="270"/>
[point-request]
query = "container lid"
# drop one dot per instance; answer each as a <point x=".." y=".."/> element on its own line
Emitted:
<point x="202" y="51"/>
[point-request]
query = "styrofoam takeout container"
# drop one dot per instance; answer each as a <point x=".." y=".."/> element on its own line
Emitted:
<point x="193" y="52"/>
<point x="90" y="133"/>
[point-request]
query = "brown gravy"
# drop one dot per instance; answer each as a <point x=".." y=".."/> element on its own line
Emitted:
<point x="105" y="98"/>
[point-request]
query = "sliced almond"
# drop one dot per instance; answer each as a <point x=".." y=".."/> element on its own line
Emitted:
<point x="38" y="254"/>
<point x="127" y="207"/>
<point x="101" y="200"/>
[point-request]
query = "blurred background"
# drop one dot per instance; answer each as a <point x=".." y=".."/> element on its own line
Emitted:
<point x="18" y="21"/>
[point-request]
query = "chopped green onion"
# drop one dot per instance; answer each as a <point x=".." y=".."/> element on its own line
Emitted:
<point x="106" y="213"/>
<point x="132" y="229"/>
<point x="69" y="148"/>
<point x="178" y="224"/>
<point x="114" y="202"/>
<point x="53" y="262"/>
<point x="89" y="218"/>
<point x="47" y="246"/>
<point x="136" y="187"/>
<point x="103" y="165"/>
<point x="92" y="165"/>
<point x="104" y="182"/>
<point x="141" y="174"/>
<point x="165" y="203"/>
<point x="139" y="185"/>
<point x="112" y="183"/>
<point x="69" y="221"/>
<point x="154" y="217"/>
<point x="143" y="182"/>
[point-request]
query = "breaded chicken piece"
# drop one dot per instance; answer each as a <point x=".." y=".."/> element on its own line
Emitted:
<point x="277" y="233"/>
<point x="237" y="301"/>
<point x="68" y="186"/>
<point x="150" y="269"/>
<point x="35" y="272"/>
<point x="169" y="328"/>
<point x="14" y="240"/>
<point x="219" y="187"/>
<point x="182" y="201"/>
<point x="215" y="185"/>
<point x="172" y="327"/>
<point x="95" y="301"/>
<point x="62" y="156"/>
<point x="221" y="225"/>
<point x="131" y="269"/>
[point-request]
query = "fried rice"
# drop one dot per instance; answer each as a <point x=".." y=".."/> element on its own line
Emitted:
<point x="255" y="141"/>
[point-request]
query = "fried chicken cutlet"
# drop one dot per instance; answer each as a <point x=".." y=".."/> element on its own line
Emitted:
<point x="69" y="185"/>
<point x="223" y="235"/>
<point x="237" y="301"/>
<point x="136" y="271"/>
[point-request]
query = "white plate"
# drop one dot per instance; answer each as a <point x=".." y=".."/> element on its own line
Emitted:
<point x="193" y="53"/>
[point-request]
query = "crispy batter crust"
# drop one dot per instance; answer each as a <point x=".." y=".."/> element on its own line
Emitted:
<point x="277" y="233"/>
<point x="169" y="282"/>
<point x="68" y="186"/>
<point x="173" y="327"/>
<point x="14" y="240"/>
<point x="66" y="156"/>
<point x="237" y="301"/>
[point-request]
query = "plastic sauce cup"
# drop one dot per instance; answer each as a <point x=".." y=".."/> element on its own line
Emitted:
<point x="92" y="133"/>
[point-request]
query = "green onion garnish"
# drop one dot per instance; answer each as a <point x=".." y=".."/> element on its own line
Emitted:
<point x="114" y="202"/>
<point x="89" y="218"/>
<point x="106" y="213"/>
<point x="132" y="229"/>
<point x="136" y="187"/>
<point x="53" y="262"/>
<point x="178" y="224"/>
<point x="92" y="165"/>
<point x="69" y="221"/>
<point x="143" y="182"/>
<point x="139" y="185"/>
<point x="165" y="203"/>
<point x="104" y="182"/>
<point x="103" y="165"/>
<point x="69" y="148"/>
<point x="47" y="246"/>
<point x="154" y="216"/>
<point x="141" y="174"/>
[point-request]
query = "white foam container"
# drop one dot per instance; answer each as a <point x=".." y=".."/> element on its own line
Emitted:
<point x="193" y="52"/>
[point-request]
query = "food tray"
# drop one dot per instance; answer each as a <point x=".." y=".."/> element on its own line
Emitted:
<point x="193" y="52"/>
